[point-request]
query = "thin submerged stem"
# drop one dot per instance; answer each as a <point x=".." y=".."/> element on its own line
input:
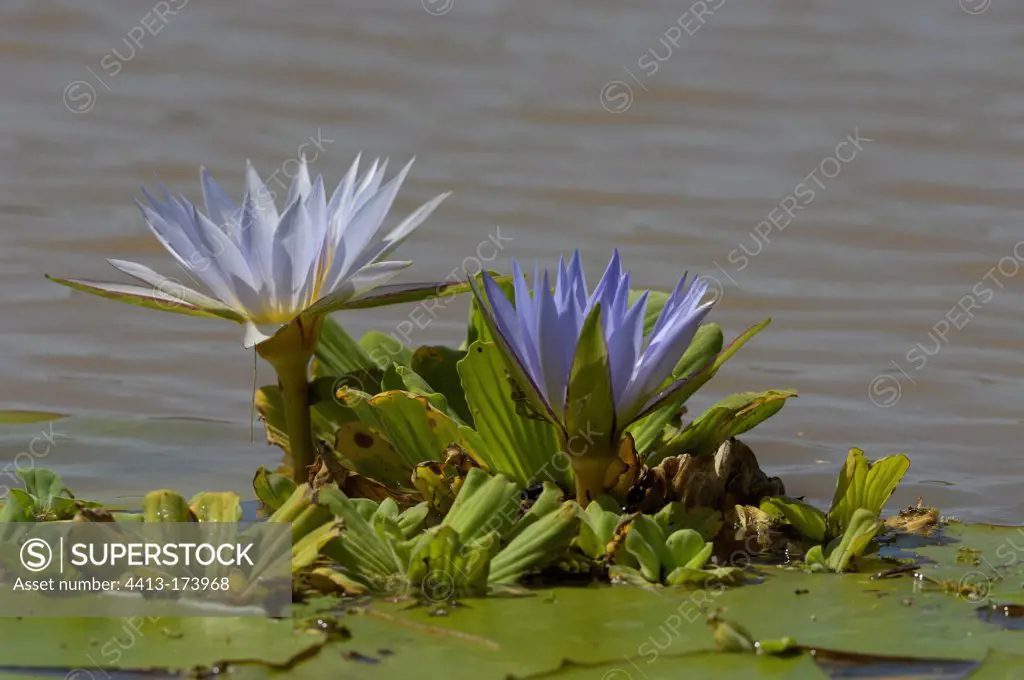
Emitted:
<point x="289" y="352"/>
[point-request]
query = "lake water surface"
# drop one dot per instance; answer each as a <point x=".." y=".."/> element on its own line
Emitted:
<point x="681" y="139"/>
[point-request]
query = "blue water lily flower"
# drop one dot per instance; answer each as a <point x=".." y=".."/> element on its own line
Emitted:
<point x="278" y="274"/>
<point x="265" y="268"/>
<point x="581" y="358"/>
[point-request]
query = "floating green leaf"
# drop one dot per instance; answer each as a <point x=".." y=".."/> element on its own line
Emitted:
<point x="659" y="555"/>
<point x="51" y="497"/>
<point x="854" y="542"/>
<point x="598" y="526"/>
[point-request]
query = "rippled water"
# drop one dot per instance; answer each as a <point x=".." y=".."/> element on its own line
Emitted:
<point x="576" y="124"/>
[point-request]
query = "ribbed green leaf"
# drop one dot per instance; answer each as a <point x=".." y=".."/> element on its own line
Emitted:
<point x="537" y="544"/>
<point x="337" y="352"/>
<point x="485" y="504"/>
<point x="808" y="520"/>
<point x="271" y="488"/>
<point x="862" y="527"/>
<point x="864" y="485"/>
<point x="216" y="506"/>
<point x="166" y="506"/>
<point x="730" y="417"/>
<point x="524" y="449"/>
<point x="416" y="429"/>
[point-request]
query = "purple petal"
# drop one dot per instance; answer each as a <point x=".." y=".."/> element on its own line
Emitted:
<point x="503" y="338"/>
<point x="624" y="345"/>
<point x="526" y="322"/>
<point x="608" y="284"/>
<point x="505" y="319"/>
<point x="579" y="279"/>
<point x="661" y="357"/>
<point x="557" y="338"/>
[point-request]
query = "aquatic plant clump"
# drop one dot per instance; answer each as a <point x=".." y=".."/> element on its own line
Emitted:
<point x="554" y="445"/>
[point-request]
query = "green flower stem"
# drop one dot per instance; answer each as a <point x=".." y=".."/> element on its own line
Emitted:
<point x="295" y="394"/>
<point x="592" y="472"/>
<point x="289" y="352"/>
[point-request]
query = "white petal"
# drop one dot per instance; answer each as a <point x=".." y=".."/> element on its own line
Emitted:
<point x="257" y="333"/>
<point x="219" y="206"/>
<point x="300" y="183"/>
<point x="170" y="234"/>
<point x="373" y="275"/>
<point x="363" y="281"/>
<point x="178" y="240"/>
<point x="263" y="198"/>
<point x="316" y="206"/>
<point x="293" y="255"/>
<point x="257" y="245"/>
<point x="171" y="288"/>
<point x="341" y="199"/>
<point x="369" y="184"/>
<point x="225" y="259"/>
<point x="401" y="232"/>
<point x="365" y="222"/>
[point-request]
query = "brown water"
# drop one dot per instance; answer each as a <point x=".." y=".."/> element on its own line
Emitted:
<point x="507" y="103"/>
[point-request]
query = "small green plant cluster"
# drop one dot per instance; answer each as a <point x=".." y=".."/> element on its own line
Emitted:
<point x="845" y="531"/>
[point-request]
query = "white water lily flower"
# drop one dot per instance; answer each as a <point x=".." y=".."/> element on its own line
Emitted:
<point x="266" y="269"/>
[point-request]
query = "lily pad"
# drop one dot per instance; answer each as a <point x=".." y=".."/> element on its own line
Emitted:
<point x="92" y="645"/>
